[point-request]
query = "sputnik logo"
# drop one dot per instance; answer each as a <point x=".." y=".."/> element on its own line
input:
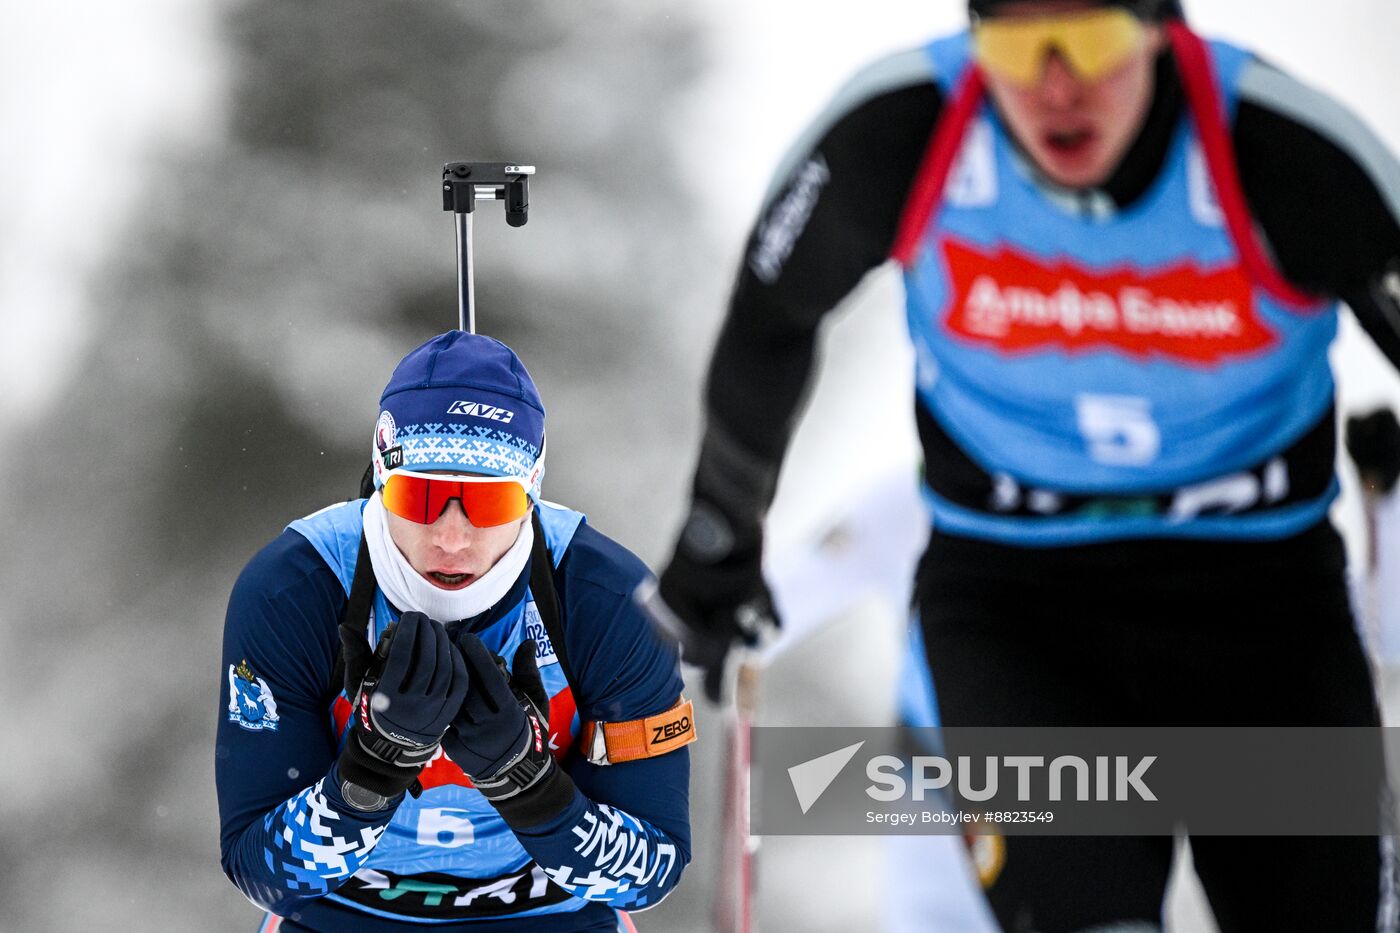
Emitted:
<point x="811" y="778"/>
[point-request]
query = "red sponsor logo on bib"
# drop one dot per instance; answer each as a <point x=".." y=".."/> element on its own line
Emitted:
<point x="1017" y="303"/>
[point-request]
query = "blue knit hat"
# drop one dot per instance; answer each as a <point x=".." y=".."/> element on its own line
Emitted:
<point x="463" y="403"/>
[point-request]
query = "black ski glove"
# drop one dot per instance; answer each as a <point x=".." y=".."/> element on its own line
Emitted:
<point x="500" y="737"/>
<point x="411" y="686"/>
<point x="712" y="593"/>
<point x="716" y="595"/>
<point x="1373" y="440"/>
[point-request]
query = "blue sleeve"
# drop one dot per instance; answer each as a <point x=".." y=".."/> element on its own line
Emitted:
<point x="285" y="832"/>
<point x="625" y="838"/>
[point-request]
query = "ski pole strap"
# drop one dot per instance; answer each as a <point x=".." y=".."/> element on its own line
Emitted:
<point x="610" y="743"/>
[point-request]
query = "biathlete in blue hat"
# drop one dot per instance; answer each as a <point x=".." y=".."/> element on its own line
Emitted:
<point x="440" y="705"/>
<point x="1123" y="251"/>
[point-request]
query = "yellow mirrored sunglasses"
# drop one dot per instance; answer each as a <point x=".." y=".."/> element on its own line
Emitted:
<point x="1093" y="42"/>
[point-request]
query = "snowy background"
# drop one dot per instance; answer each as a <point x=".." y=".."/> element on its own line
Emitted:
<point x="222" y="228"/>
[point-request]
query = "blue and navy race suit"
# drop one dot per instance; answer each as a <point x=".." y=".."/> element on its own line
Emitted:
<point x="446" y="858"/>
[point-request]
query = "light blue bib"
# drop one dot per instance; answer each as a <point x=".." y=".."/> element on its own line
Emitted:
<point x="1118" y="354"/>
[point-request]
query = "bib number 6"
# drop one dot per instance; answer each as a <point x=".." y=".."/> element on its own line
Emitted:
<point x="1118" y="429"/>
<point x="444" y="827"/>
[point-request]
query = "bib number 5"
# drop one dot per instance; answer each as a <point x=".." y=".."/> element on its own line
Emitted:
<point x="1118" y="429"/>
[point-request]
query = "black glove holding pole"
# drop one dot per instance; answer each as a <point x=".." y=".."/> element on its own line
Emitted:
<point x="403" y="695"/>
<point x="713" y="589"/>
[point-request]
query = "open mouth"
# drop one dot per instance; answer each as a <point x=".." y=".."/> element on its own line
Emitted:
<point x="450" y="581"/>
<point x="1069" y="142"/>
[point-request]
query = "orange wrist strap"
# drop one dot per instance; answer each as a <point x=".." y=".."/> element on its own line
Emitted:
<point x="610" y="743"/>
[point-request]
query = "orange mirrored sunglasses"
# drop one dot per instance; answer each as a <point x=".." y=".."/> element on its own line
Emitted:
<point x="487" y="500"/>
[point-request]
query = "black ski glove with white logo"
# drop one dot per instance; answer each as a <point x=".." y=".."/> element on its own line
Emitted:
<point x="500" y="736"/>
<point x="411" y="686"/>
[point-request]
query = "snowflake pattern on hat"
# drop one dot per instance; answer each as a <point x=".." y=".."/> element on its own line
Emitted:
<point x="468" y="448"/>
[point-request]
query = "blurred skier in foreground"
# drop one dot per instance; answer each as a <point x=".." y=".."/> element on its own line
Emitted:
<point x="1123" y="250"/>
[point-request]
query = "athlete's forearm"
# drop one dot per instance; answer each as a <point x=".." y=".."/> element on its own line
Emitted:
<point x="1376" y="304"/>
<point x="304" y="848"/>
<point x="759" y="373"/>
<point x="603" y="853"/>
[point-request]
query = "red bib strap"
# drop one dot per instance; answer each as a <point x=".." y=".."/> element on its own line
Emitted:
<point x="943" y="145"/>
<point x="1198" y="74"/>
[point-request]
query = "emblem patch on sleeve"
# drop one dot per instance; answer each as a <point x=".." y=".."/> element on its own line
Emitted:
<point x="250" y="702"/>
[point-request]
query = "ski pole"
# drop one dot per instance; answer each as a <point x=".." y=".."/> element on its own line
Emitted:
<point x="462" y="184"/>
<point x="868" y="550"/>
<point x="733" y="907"/>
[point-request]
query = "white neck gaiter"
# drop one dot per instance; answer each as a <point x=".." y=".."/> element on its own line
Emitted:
<point x="407" y="589"/>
